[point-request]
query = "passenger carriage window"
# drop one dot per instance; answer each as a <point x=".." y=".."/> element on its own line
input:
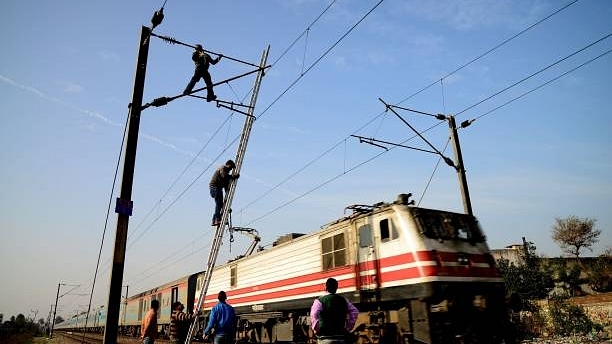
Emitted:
<point x="387" y="230"/>
<point x="140" y="309"/>
<point x="158" y="298"/>
<point x="333" y="251"/>
<point x="233" y="276"/>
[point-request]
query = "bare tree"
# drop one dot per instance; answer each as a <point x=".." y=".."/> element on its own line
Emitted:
<point x="573" y="234"/>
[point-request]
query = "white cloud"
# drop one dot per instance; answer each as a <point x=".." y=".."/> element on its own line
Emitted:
<point x="469" y="14"/>
<point x="109" y="56"/>
<point x="73" y="88"/>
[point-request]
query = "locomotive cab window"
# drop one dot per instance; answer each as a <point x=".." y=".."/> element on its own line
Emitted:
<point x="333" y="250"/>
<point x="448" y="226"/>
<point x="365" y="236"/>
<point x="387" y="230"/>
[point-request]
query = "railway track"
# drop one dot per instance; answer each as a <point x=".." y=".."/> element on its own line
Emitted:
<point x="78" y="338"/>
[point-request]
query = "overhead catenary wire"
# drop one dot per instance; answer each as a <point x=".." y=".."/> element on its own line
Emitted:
<point x="376" y="156"/>
<point x="110" y="202"/>
<point x="319" y="59"/>
<point x="171" y="40"/>
<point x="405" y="99"/>
<point x="303" y="33"/>
<point x="433" y="173"/>
<point x="536" y="73"/>
<point x="545" y="84"/>
<point x="436" y="81"/>
<point x="175" y="41"/>
<point x="490" y="50"/>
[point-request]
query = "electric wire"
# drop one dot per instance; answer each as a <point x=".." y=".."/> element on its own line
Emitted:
<point x="391" y="148"/>
<point x="408" y="97"/>
<point x="534" y="74"/>
<point x="410" y="138"/>
<point x="319" y="59"/>
<point x="303" y="33"/>
<point x="227" y="147"/>
<point x="376" y="156"/>
<point x="312" y="65"/>
<point x="489" y="51"/>
<point x="110" y="201"/>
<point x="433" y="173"/>
<point x="321" y="56"/>
<point x="193" y="160"/>
<point x="545" y="84"/>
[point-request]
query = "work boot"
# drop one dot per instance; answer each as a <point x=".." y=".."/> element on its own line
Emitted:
<point x="211" y="97"/>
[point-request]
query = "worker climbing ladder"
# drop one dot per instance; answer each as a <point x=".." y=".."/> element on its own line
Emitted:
<point x="227" y="205"/>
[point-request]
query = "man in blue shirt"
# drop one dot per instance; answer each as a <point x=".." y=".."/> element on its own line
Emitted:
<point x="223" y="319"/>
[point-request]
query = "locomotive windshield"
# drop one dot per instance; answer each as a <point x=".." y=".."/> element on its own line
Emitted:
<point x="448" y="226"/>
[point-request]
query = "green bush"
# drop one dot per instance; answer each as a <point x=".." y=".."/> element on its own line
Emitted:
<point x="569" y="319"/>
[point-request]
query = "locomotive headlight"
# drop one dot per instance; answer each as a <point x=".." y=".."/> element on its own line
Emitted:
<point x="463" y="259"/>
<point x="440" y="307"/>
<point x="479" y="302"/>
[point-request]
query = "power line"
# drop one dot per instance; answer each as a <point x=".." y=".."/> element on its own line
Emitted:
<point x="282" y="93"/>
<point x="319" y="59"/>
<point x="546" y="83"/>
<point x="489" y="51"/>
<point x="534" y="74"/>
<point x="391" y="148"/>
<point x="414" y="94"/>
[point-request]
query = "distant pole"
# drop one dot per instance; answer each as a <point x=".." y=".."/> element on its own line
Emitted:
<point x="125" y="304"/>
<point x="48" y="324"/>
<point x="465" y="193"/>
<point x="123" y="207"/>
<point x="54" y="311"/>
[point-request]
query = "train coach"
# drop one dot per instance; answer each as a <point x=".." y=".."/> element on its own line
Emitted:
<point x="94" y="322"/>
<point x="136" y="306"/>
<point x="416" y="275"/>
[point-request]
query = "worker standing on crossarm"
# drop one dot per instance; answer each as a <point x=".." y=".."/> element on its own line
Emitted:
<point x="220" y="181"/>
<point x="202" y="61"/>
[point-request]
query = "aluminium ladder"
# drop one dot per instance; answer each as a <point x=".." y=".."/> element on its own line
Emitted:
<point x="217" y="240"/>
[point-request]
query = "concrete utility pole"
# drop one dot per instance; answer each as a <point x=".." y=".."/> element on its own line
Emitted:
<point x="465" y="193"/>
<point x="55" y="310"/>
<point x="124" y="204"/>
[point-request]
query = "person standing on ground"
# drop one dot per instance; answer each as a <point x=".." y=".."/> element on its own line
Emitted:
<point x="220" y="181"/>
<point x="148" y="329"/>
<point x="332" y="316"/>
<point x="179" y="323"/>
<point x="202" y="61"/>
<point x="223" y="320"/>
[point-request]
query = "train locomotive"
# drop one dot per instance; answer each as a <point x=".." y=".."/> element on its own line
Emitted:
<point x="416" y="275"/>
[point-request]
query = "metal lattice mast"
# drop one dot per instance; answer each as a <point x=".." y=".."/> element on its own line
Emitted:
<point x="217" y="240"/>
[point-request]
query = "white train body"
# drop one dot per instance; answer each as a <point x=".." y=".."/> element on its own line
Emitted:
<point x="412" y="269"/>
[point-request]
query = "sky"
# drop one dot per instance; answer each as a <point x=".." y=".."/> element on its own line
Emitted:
<point x="533" y="76"/>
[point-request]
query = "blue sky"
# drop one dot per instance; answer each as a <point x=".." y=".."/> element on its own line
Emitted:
<point x="537" y="151"/>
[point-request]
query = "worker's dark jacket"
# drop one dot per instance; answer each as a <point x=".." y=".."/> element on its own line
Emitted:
<point x="179" y="324"/>
<point x="221" y="178"/>
<point x="332" y="319"/>
<point x="202" y="60"/>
